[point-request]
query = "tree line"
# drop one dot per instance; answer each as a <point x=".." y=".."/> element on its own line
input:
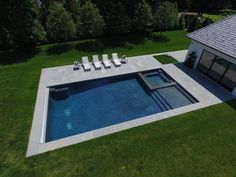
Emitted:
<point x="27" y="23"/>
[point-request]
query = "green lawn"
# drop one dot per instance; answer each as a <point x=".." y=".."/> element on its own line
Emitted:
<point x="200" y="143"/>
<point x="220" y="15"/>
<point x="165" y="59"/>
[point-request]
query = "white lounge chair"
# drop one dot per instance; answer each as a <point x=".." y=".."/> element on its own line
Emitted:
<point x="105" y="61"/>
<point x="124" y="59"/>
<point x="76" y="65"/>
<point x="86" y="64"/>
<point x="96" y="62"/>
<point x="116" y="60"/>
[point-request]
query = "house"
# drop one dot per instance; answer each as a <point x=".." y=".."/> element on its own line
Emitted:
<point x="215" y="49"/>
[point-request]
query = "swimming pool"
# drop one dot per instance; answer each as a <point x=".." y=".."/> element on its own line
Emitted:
<point x="89" y="105"/>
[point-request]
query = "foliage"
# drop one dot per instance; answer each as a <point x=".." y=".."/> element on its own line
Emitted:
<point x="60" y="26"/>
<point x="184" y="5"/>
<point x="20" y="23"/>
<point x="195" y="24"/>
<point x="24" y="24"/>
<point x="166" y="16"/>
<point x="191" y="59"/>
<point x="143" y="19"/>
<point x="207" y="22"/>
<point x="116" y="18"/>
<point x="91" y="23"/>
<point x="182" y="23"/>
<point x="73" y="7"/>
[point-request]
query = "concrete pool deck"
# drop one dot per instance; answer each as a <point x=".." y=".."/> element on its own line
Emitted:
<point x="205" y="91"/>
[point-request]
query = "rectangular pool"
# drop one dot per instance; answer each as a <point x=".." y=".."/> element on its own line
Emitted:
<point x="84" y="106"/>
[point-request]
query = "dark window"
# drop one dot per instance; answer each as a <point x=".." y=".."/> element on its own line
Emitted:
<point x="206" y="61"/>
<point x="229" y="79"/>
<point x="218" y="68"/>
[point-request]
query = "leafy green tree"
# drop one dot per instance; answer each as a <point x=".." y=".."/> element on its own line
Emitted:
<point x="60" y="26"/>
<point x="196" y="24"/>
<point x="90" y="22"/>
<point x="72" y="6"/>
<point x="184" y="5"/>
<point x="116" y="19"/>
<point x="166" y="17"/>
<point x="143" y="19"/>
<point x="19" y="23"/>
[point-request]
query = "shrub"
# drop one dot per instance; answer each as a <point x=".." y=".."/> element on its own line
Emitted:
<point x="196" y="24"/>
<point x="191" y="60"/>
<point x="60" y="25"/>
<point x="207" y="22"/>
<point x="128" y="45"/>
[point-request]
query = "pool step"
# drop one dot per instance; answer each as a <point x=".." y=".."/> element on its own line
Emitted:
<point x="167" y="105"/>
<point x="160" y="101"/>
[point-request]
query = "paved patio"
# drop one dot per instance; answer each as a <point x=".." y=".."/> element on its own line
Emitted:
<point x="205" y="91"/>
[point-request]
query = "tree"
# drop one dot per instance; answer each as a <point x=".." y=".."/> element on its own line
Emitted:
<point x="166" y="17"/>
<point x="116" y="19"/>
<point x="20" y="23"/>
<point x="182" y="23"/>
<point x="143" y="19"/>
<point x="72" y="7"/>
<point x="184" y="5"/>
<point x="195" y="24"/>
<point x="90" y="22"/>
<point x="233" y="2"/>
<point x="60" y="26"/>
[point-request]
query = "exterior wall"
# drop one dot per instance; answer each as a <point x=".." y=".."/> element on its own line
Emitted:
<point x="234" y="92"/>
<point x="195" y="47"/>
<point x="199" y="48"/>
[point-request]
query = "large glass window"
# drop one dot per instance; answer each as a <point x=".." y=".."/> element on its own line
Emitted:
<point x="218" y="68"/>
<point x="229" y="79"/>
<point x="206" y="61"/>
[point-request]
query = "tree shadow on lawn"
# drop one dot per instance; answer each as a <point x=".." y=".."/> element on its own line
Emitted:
<point x="159" y="38"/>
<point x="59" y="49"/>
<point x="90" y="46"/>
<point x="127" y="41"/>
<point x="17" y="55"/>
<point x="232" y="103"/>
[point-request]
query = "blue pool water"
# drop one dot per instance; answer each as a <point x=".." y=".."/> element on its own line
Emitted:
<point x="155" y="78"/>
<point x="85" y="106"/>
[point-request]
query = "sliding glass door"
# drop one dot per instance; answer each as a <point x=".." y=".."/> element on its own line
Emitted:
<point x="218" y="69"/>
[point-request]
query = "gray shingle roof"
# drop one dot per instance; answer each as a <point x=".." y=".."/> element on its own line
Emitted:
<point x="220" y="36"/>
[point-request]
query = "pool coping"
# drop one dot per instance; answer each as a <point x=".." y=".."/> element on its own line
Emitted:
<point x="56" y="76"/>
